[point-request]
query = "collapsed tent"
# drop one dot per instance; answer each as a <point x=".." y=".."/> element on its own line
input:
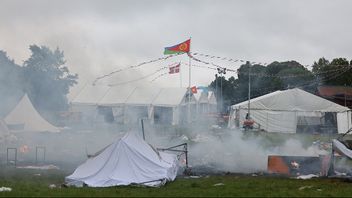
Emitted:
<point x="129" y="160"/>
<point x="292" y="111"/>
<point x="24" y="117"/>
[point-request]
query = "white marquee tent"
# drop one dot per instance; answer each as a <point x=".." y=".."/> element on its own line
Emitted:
<point x="282" y="111"/>
<point x="25" y="118"/>
<point x="129" y="160"/>
<point x="133" y="102"/>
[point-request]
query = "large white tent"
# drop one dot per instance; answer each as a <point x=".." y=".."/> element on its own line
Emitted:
<point x="283" y="111"/>
<point x="129" y="160"/>
<point x="25" y="118"/>
<point x="86" y="102"/>
<point x="173" y="103"/>
<point x="129" y="104"/>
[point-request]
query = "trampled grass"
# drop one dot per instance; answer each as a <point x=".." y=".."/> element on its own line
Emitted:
<point x="34" y="183"/>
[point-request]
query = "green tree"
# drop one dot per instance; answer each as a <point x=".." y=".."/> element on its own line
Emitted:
<point x="337" y="72"/>
<point x="11" y="84"/>
<point x="48" y="79"/>
<point x="275" y="76"/>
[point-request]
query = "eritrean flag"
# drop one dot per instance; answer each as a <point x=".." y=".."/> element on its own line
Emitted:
<point x="179" y="48"/>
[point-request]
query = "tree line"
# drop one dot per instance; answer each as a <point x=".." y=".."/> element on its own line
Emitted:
<point x="44" y="76"/>
<point x="280" y="76"/>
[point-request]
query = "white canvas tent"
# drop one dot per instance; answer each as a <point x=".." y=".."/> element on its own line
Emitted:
<point x="173" y="101"/>
<point x="129" y="160"/>
<point x="25" y="118"/>
<point x="281" y="111"/>
<point x="86" y="102"/>
<point x="129" y="104"/>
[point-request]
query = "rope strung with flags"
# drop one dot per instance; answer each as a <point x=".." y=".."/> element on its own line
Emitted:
<point x="138" y="79"/>
<point x="226" y="58"/>
<point x="134" y="66"/>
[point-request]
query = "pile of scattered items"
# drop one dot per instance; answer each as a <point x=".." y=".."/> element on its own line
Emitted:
<point x="305" y="167"/>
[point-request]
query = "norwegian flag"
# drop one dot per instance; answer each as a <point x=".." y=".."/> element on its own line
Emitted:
<point x="174" y="69"/>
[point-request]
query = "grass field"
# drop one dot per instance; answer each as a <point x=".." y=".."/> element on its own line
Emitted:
<point x="35" y="183"/>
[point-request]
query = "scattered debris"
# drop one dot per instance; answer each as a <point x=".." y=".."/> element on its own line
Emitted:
<point x="201" y="138"/>
<point x="319" y="189"/>
<point x="5" y="189"/>
<point x="219" y="184"/>
<point x="194" y="177"/>
<point x="305" y="187"/>
<point x="38" y="174"/>
<point x="185" y="138"/>
<point x="45" y="167"/>
<point x="254" y="175"/>
<point x="51" y="186"/>
<point x="309" y="176"/>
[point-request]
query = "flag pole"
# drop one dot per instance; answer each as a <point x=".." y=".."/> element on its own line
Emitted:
<point x="189" y="84"/>
<point x="180" y="75"/>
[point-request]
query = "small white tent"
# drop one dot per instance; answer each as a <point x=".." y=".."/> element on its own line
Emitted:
<point x="24" y="117"/>
<point x="282" y="111"/>
<point x="129" y="160"/>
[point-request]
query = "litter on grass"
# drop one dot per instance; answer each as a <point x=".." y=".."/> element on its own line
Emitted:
<point x="5" y="189"/>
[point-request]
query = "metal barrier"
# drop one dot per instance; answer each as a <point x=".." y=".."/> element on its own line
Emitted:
<point x="7" y="155"/>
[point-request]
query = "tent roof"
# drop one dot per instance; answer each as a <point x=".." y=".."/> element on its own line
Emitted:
<point x="25" y="114"/>
<point x="117" y="95"/>
<point x="90" y="94"/>
<point x="126" y="161"/>
<point x="171" y="97"/>
<point x="143" y="95"/>
<point x="211" y="97"/>
<point x="203" y="98"/>
<point x="291" y="100"/>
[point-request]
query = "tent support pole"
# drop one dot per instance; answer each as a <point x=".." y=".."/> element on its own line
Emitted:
<point x="143" y="128"/>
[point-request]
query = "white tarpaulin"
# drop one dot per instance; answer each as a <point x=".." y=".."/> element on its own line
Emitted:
<point x="341" y="148"/>
<point x="129" y="160"/>
<point x="24" y="117"/>
<point x="281" y="111"/>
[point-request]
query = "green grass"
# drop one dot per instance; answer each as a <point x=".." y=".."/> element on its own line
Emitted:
<point x="28" y="183"/>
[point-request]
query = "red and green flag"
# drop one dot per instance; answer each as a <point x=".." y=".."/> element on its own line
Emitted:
<point x="183" y="47"/>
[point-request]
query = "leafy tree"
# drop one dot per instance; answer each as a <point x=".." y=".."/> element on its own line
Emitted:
<point x="336" y="72"/>
<point x="11" y="76"/>
<point x="275" y="76"/>
<point x="48" y="79"/>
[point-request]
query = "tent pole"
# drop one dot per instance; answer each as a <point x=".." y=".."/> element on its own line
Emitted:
<point x="143" y="128"/>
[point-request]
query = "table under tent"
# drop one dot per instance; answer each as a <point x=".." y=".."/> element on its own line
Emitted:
<point x="292" y="111"/>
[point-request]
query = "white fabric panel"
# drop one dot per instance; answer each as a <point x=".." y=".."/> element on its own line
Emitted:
<point x="272" y="121"/>
<point x="343" y="121"/>
<point x="25" y="114"/>
<point x="143" y="96"/>
<point x="116" y="96"/>
<point x="341" y="148"/>
<point x="170" y="97"/>
<point x="175" y="115"/>
<point x="126" y="161"/>
<point x="90" y="94"/>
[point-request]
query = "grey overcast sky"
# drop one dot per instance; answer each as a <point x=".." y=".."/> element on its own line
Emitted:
<point x="100" y="36"/>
